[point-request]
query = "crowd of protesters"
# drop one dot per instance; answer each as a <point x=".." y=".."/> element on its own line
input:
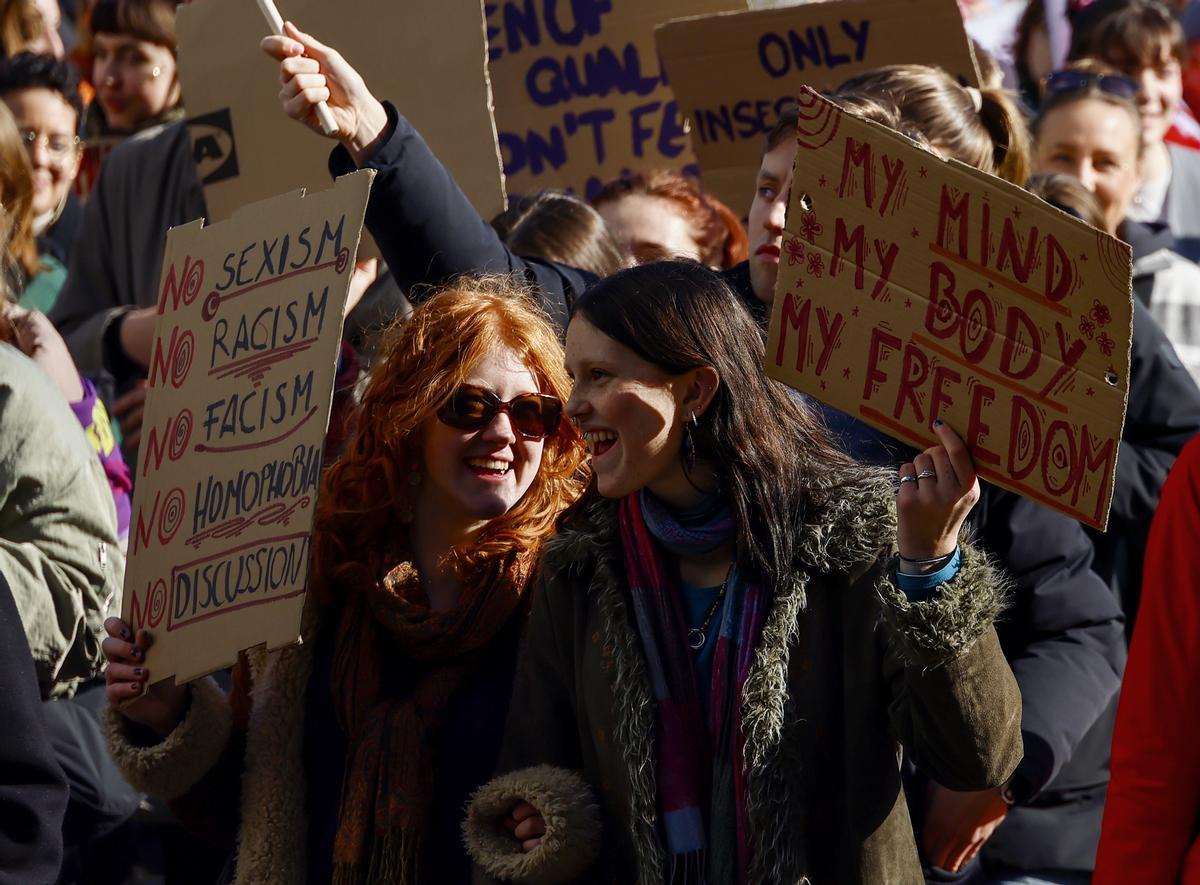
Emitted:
<point x="592" y="598"/>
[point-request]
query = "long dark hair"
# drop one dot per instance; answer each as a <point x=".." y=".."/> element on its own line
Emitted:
<point x="770" y="450"/>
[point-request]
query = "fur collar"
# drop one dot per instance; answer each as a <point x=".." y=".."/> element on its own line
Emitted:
<point x="857" y="525"/>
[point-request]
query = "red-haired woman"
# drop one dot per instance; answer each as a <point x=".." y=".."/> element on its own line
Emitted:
<point x="660" y="214"/>
<point x="354" y="753"/>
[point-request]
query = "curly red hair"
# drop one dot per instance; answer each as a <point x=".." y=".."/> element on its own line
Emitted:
<point x="423" y="360"/>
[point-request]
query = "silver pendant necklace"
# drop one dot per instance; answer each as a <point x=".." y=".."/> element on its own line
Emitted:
<point x="697" y="636"/>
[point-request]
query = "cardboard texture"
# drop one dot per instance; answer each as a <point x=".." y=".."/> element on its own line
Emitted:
<point x="426" y="56"/>
<point x="912" y="289"/>
<point x="580" y="96"/>
<point x="732" y="73"/>
<point x="237" y="405"/>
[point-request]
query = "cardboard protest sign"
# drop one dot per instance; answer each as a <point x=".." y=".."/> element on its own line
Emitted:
<point x="238" y="400"/>
<point x="427" y="56"/>
<point x="732" y="73"/>
<point x="912" y="289"/>
<point x="580" y="95"/>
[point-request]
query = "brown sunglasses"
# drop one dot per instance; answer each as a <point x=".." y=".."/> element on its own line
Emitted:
<point x="533" y="415"/>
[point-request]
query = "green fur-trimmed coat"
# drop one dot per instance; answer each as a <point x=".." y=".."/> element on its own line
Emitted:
<point x="847" y="671"/>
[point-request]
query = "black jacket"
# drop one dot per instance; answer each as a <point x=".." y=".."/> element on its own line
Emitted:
<point x="33" y="791"/>
<point x="428" y="232"/>
<point x="1064" y="638"/>
<point x="1162" y="414"/>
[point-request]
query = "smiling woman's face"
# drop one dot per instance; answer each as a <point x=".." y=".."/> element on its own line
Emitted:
<point x="54" y="153"/>
<point x="471" y="476"/>
<point x="627" y="409"/>
<point x="1098" y="143"/>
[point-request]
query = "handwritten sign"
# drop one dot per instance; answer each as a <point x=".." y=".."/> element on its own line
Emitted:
<point x="732" y="73"/>
<point x="238" y="400"/>
<point x="426" y="56"/>
<point x="580" y="96"/>
<point x="912" y="289"/>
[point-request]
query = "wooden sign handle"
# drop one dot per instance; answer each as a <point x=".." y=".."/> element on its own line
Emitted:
<point x="275" y="20"/>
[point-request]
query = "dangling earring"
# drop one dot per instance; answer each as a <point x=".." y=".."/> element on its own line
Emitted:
<point x="689" y="444"/>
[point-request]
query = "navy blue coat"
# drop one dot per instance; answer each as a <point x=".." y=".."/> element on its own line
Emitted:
<point x="428" y="232"/>
<point x="1063" y="637"/>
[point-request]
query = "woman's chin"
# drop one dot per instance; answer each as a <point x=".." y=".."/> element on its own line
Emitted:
<point x="488" y="508"/>
<point x="43" y="204"/>
<point x="613" y="485"/>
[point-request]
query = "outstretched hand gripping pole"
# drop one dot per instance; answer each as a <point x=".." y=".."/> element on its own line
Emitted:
<point x="275" y="20"/>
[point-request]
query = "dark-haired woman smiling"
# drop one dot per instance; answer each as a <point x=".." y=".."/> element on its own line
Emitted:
<point x="706" y="646"/>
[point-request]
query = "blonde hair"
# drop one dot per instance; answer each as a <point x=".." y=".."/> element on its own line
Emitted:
<point x="983" y="128"/>
<point x="423" y="360"/>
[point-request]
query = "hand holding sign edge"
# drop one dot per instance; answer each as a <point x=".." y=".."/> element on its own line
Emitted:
<point x="930" y="511"/>
<point x="159" y="707"/>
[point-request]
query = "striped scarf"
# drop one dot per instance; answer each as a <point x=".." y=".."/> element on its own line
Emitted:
<point x="700" y="773"/>
<point x="388" y="790"/>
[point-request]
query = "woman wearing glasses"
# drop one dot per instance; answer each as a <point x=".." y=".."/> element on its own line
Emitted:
<point x="364" y="743"/>
<point x="43" y="96"/>
<point x="721" y="660"/>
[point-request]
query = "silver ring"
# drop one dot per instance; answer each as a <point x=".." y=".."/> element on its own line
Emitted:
<point x="926" y="474"/>
<point x="909" y="478"/>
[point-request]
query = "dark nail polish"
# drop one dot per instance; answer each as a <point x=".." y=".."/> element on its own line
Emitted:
<point x="137" y="653"/>
<point x="937" y="423"/>
<point x="136" y="687"/>
<point x="125" y="634"/>
<point x="137" y="671"/>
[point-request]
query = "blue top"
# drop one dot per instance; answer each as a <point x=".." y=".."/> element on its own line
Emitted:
<point x="918" y="588"/>
<point x="696" y="603"/>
